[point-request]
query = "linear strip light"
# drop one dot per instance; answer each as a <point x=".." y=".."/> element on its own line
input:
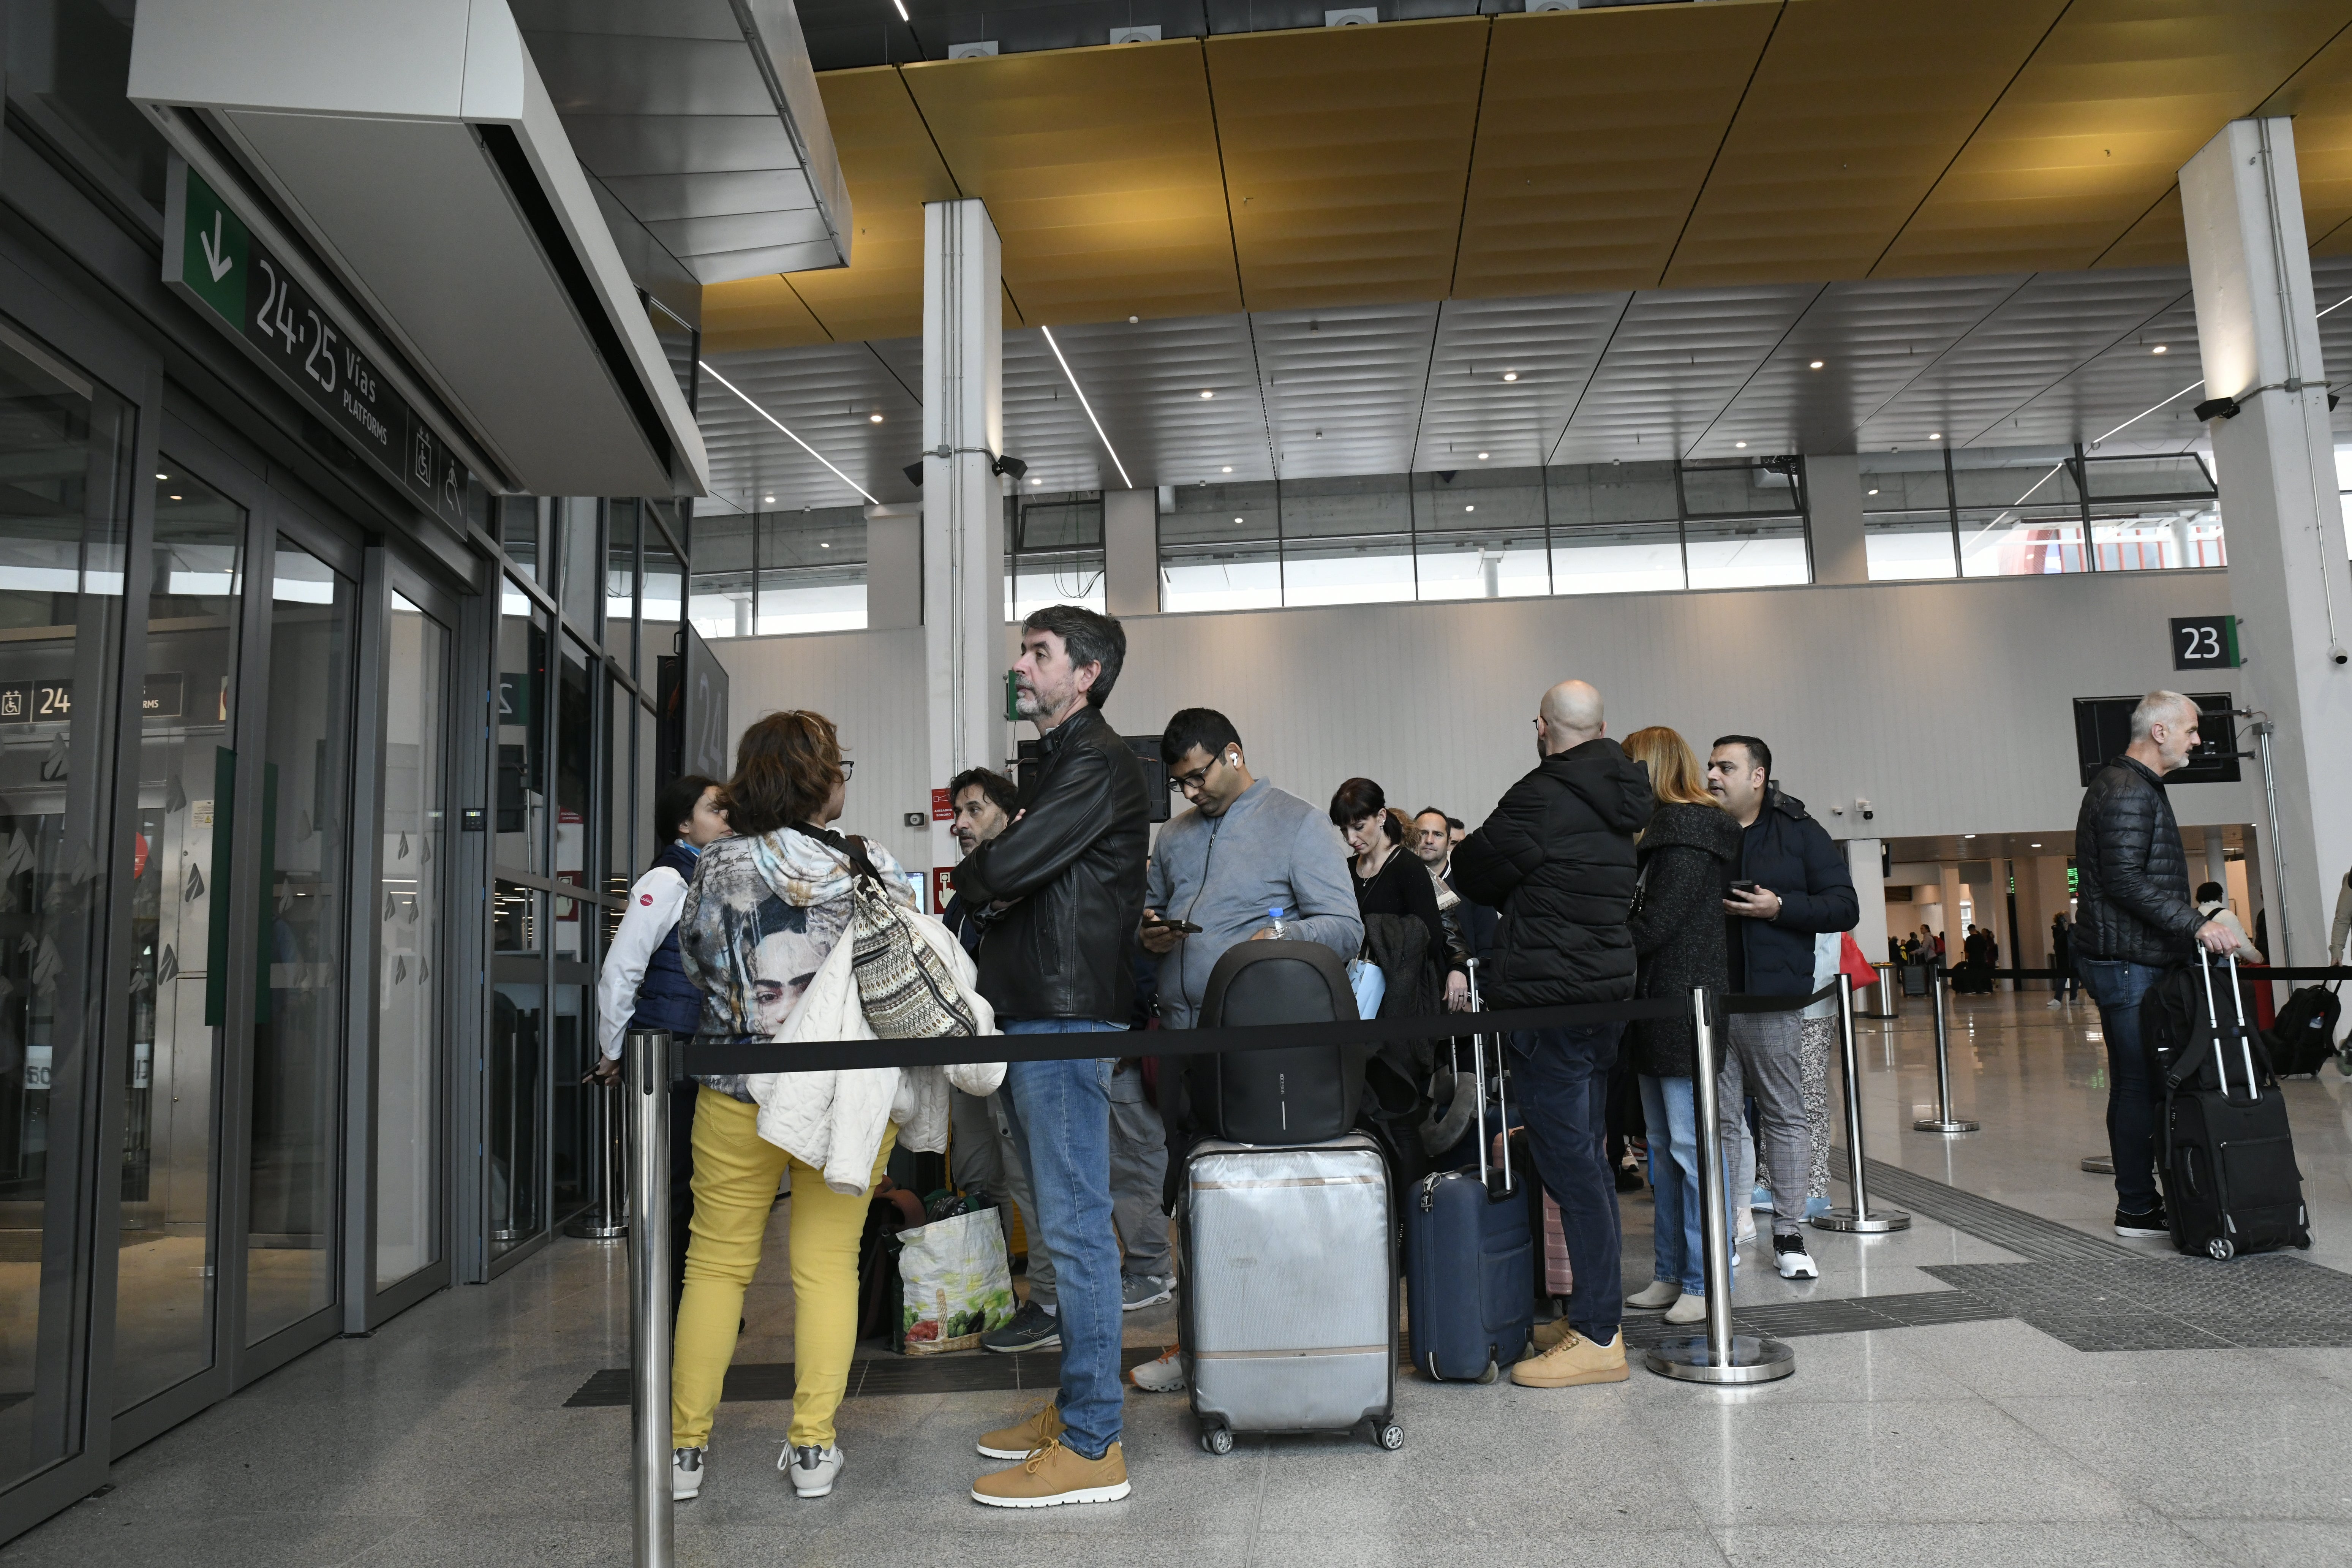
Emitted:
<point x="2168" y="401"/>
<point x="1088" y="406"/>
<point x="780" y="424"/>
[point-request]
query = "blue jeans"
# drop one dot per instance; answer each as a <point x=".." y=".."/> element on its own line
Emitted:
<point x="1061" y="1118"/>
<point x="1562" y="1079"/>
<point x="2118" y="986"/>
<point x="1670" y="1110"/>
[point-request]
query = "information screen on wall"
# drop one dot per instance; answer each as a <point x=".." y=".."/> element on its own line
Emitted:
<point x="2103" y="729"/>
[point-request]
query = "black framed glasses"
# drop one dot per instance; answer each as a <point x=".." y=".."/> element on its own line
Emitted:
<point x="1197" y="779"/>
<point x="848" y="767"/>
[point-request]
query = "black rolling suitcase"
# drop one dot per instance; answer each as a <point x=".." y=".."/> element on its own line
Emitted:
<point x="2231" y="1183"/>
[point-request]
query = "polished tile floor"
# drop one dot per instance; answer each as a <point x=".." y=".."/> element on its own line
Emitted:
<point x="445" y="1438"/>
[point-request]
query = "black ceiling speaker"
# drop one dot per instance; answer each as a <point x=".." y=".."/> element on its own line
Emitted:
<point x="2216" y="408"/>
<point x="1013" y="466"/>
<point x="1447" y="474"/>
<point x="914" y="472"/>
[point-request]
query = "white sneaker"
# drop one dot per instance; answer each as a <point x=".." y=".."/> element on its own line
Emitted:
<point x="684" y="1474"/>
<point x="2055" y="1003"/>
<point x="812" y="1470"/>
<point x="1789" y="1254"/>
<point x="1657" y="1293"/>
<point x="1746" y="1228"/>
<point x="1164" y="1375"/>
<point x="1690" y="1308"/>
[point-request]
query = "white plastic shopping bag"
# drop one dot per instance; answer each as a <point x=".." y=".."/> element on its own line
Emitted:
<point x="955" y="1284"/>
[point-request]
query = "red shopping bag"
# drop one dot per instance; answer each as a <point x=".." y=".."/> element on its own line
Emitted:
<point x="1855" y="966"/>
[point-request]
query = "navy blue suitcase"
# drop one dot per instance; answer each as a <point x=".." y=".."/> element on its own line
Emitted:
<point x="1469" y="1264"/>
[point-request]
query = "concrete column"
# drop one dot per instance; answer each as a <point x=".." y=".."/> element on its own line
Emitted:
<point x="963" y="499"/>
<point x="2217" y="861"/>
<point x="1870" y="891"/>
<point x="894" y="567"/>
<point x="1131" y="551"/>
<point x="2258" y="333"/>
<point x="1833" y="491"/>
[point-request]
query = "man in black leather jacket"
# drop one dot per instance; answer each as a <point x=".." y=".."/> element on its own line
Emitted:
<point x="1063" y="888"/>
<point x="2134" y="921"/>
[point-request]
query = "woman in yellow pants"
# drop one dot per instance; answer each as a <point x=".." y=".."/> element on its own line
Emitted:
<point x="764" y="909"/>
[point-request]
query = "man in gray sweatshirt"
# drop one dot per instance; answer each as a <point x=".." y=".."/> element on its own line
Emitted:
<point x="1244" y="848"/>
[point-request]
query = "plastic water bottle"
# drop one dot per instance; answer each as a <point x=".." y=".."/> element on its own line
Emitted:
<point x="1274" y="917"/>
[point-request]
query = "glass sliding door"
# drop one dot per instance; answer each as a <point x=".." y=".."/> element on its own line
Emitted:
<point x="164" y="1298"/>
<point x="303" y="839"/>
<point x="409" y="985"/>
<point x="64" y="488"/>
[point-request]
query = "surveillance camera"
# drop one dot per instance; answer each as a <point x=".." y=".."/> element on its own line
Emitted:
<point x="2337" y="656"/>
<point x="1868" y="815"/>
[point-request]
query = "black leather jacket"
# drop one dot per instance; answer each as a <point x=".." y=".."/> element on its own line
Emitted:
<point x="2132" y="875"/>
<point x="1072" y="871"/>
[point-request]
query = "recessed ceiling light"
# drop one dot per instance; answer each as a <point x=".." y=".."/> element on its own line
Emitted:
<point x="1471" y="507"/>
<point x="2033" y="847"/>
<point x="1967" y="836"/>
<point x="1482" y="457"/>
<point x="1935" y="435"/>
<point x="2160" y="348"/>
<point x="1237" y="519"/>
<point x="1510" y="375"/>
<point x="825" y="544"/>
<point x="873" y="419"/>
<point x="1037" y="481"/>
<point x="1206" y="393"/>
<point x="162" y="475"/>
<point x="767" y="499"/>
<point x="1817" y="364"/>
<point x="1873" y="492"/>
<point x="1227" y="469"/>
<point x="175" y="498"/>
<point x="1742" y="445"/>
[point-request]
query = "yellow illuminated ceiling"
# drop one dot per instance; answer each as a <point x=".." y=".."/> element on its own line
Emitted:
<point x="1746" y="142"/>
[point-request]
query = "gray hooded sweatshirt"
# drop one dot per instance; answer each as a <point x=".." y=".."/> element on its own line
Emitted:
<point x="1222" y="873"/>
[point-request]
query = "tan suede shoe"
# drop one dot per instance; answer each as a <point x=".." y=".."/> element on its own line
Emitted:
<point x="1546" y="1335"/>
<point x="1023" y="1439"/>
<point x="1054" y="1476"/>
<point x="1575" y="1360"/>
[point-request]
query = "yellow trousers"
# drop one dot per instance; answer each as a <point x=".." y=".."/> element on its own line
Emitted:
<point x="735" y="1176"/>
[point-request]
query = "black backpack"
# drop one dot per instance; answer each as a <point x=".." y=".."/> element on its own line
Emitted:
<point x="2304" y="1035"/>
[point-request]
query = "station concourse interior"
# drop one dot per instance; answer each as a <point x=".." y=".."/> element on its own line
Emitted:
<point x="430" y="430"/>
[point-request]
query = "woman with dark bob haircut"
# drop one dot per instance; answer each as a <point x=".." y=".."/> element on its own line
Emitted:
<point x="766" y="908"/>
<point x="1391" y="880"/>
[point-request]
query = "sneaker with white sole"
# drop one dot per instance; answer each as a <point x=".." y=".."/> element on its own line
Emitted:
<point x="1746" y="1229"/>
<point x="1137" y="1291"/>
<point x="1023" y="1438"/>
<point x="684" y="1474"/>
<point x="1816" y="1208"/>
<point x="1760" y="1201"/>
<point x="1657" y="1295"/>
<point x="1164" y="1375"/>
<point x="1031" y="1328"/>
<point x="1690" y="1307"/>
<point x="812" y="1470"/>
<point x="2145" y="1226"/>
<point x="1789" y="1256"/>
<point x="1054" y="1474"/>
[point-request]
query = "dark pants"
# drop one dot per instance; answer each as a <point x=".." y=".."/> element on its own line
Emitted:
<point x="2133" y="1103"/>
<point x="1561" y="1078"/>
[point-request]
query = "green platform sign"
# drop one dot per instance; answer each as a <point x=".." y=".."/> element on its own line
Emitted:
<point x="306" y="345"/>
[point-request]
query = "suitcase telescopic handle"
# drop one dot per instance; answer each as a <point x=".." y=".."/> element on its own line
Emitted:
<point x="1502" y="1096"/>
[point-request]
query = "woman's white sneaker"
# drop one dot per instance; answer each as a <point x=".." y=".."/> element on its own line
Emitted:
<point x="684" y="1474"/>
<point x="812" y="1470"/>
<point x="1163" y="1376"/>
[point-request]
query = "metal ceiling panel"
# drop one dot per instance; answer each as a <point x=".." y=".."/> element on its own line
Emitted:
<point x="1100" y="168"/>
<point x="826" y="395"/>
<point x="1346" y="158"/>
<point x="1549" y="348"/>
<point x="1675" y="360"/>
<point x="2126" y="381"/>
<point x="1595" y="133"/>
<point x="1343" y="386"/>
<point x="1145" y="381"/>
<point x="2095" y="127"/>
<point x="1855" y="110"/>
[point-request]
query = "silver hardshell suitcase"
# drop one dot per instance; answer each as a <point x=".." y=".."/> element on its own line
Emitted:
<point x="1288" y="1289"/>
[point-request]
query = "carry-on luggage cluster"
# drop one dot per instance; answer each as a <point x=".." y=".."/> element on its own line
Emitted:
<point x="2230" y="1182"/>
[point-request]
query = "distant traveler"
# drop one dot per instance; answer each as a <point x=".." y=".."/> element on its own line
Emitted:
<point x="2134" y="919"/>
<point x="1243" y="850"/>
<point x="642" y="986"/>
<point x="1064" y="890"/>
<point x="2213" y="903"/>
<point x="1557" y="858"/>
<point x="986" y="1156"/>
<point x="1687" y="855"/>
<point x="1798" y="887"/>
<point x="2061" y="959"/>
<point x="1472" y="923"/>
<point x="1391" y="880"/>
<point x="765" y="909"/>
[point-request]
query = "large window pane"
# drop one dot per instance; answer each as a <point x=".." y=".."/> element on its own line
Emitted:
<point x="811" y="571"/>
<point x="620" y="858"/>
<point x="1715" y="489"/>
<point x="1622" y="558"/>
<point x="65" y="485"/>
<point x="512" y="1067"/>
<point x="1220" y="547"/>
<point x="2014" y="475"/>
<point x="522" y="782"/>
<point x="721" y="600"/>
<point x="297" y="1030"/>
<point x="575" y="773"/>
<point x="621" y="583"/>
<point x="575" y="1145"/>
<point x="2157" y="536"/>
<point x="408" y="983"/>
<point x="1903" y="545"/>
<point x="1611" y="492"/>
<point x="665" y="602"/>
<point x="1481" y="535"/>
<point x="1751" y="552"/>
<point x="2022" y="541"/>
<point x="575" y="537"/>
<point x="1347" y="541"/>
<point x="73" y="59"/>
<point x="519" y="526"/>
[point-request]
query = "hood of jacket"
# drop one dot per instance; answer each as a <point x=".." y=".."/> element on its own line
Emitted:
<point x="1613" y="785"/>
<point x="799" y="869"/>
<point x="1707" y="827"/>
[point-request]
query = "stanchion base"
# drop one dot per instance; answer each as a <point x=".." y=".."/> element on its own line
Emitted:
<point x="1877" y="1221"/>
<point x="2099" y="1165"/>
<point x="586" y="1228"/>
<point x="1944" y="1126"/>
<point x="1753" y="1359"/>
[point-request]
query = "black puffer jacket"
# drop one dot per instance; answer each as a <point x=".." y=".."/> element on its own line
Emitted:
<point x="1688" y="855"/>
<point x="1072" y="871"/>
<point x="1556" y="859"/>
<point x="1786" y="850"/>
<point x="2133" y="875"/>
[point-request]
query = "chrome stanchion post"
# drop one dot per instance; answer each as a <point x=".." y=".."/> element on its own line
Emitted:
<point x="1943" y="1121"/>
<point x="648" y="1096"/>
<point x="1861" y="1218"/>
<point x="601" y="1220"/>
<point x="1718" y="1355"/>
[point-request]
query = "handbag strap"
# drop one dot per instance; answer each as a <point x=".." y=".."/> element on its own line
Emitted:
<point x="850" y="846"/>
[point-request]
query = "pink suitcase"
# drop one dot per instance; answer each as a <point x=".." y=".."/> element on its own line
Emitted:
<point x="1556" y="1280"/>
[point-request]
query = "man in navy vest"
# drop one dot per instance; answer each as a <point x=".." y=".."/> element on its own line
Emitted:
<point x="644" y="986"/>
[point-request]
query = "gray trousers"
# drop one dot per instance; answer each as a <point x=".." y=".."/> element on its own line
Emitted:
<point x="1818" y="1040"/>
<point x="986" y="1156"/>
<point x="1766" y="1060"/>
<point x="1138" y="1165"/>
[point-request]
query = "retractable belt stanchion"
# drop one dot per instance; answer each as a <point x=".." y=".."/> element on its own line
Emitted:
<point x="1861" y="1218"/>
<point x="1943" y="1121"/>
<point x="602" y="1220"/>
<point x="649" y="1483"/>
<point x="1718" y="1355"/>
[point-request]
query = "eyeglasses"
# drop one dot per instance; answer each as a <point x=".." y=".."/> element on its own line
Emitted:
<point x="847" y="768"/>
<point x="1197" y="779"/>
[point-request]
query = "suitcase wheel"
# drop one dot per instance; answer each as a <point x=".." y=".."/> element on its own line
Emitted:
<point x="1217" y="1440"/>
<point x="2221" y="1248"/>
<point x="1389" y="1435"/>
<point x="1490" y="1374"/>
